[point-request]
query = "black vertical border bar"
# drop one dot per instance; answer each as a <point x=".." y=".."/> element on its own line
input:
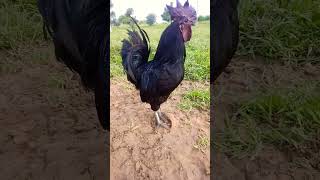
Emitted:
<point x="107" y="90"/>
<point x="212" y="131"/>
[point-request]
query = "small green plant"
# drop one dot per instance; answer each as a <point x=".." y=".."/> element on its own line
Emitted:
<point x="41" y="56"/>
<point x="7" y="66"/>
<point x="202" y="143"/>
<point x="199" y="99"/>
<point x="57" y="81"/>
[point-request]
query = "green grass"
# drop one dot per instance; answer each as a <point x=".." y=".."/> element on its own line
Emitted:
<point x="198" y="49"/>
<point x="42" y="56"/>
<point x="287" y="119"/>
<point x="16" y="59"/>
<point x="57" y="81"/>
<point x="8" y="66"/>
<point x="20" y="24"/>
<point x="199" y="99"/>
<point x="202" y="143"/>
<point x="278" y="30"/>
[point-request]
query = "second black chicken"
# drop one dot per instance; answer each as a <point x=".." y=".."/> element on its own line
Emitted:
<point x="157" y="79"/>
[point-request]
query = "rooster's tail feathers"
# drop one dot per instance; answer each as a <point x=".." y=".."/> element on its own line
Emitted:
<point x="135" y="53"/>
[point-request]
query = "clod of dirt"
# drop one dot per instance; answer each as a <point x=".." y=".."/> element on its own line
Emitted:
<point x="310" y="69"/>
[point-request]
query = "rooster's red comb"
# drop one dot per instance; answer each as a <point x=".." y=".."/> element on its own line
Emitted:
<point x="181" y="12"/>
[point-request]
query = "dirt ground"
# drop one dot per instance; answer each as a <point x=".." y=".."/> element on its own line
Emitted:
<point x="140" y="151"/>
<point x="47" y="132"/>
<point x="243" y="81"/>
<point x="52" y="132"/>
<point x="49" y="127"/>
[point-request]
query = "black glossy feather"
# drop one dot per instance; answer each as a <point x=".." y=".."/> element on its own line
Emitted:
<point x="80" y="32"/>
<point x="225" y="29"/>
<point x="155" y="79"/>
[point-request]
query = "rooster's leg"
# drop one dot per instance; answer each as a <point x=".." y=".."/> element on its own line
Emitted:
<point x="159" y="122"/>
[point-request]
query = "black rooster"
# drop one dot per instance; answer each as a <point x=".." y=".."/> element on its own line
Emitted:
<point x="156" y="79"/>
<point x="225" y="29"/>
<point x="80" y="32"/>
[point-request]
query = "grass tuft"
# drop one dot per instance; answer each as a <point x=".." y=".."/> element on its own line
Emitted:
<point x="202" y="143"/>
<point x="199" y="99"/>
<point x="287" y="119"/>
<point x="20" y="22"/>
<point x="57" y="81"/>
